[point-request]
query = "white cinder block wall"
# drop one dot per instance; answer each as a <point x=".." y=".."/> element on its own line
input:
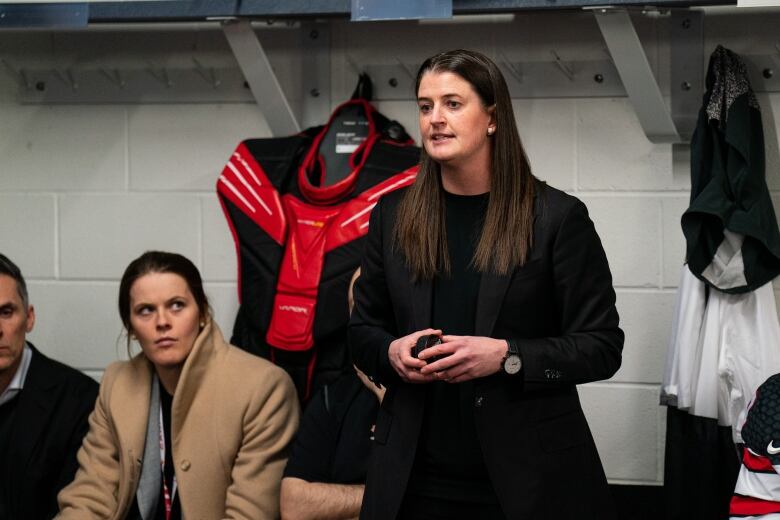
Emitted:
<point x="86" y="188"/>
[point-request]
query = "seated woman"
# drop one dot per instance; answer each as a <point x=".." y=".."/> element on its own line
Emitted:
<point x="191" y="427"/>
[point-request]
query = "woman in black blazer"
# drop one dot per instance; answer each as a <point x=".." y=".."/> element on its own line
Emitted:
<point x="510" y="275"/>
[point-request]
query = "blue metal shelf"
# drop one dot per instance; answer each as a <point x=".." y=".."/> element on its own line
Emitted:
<point x="18" y="15"/>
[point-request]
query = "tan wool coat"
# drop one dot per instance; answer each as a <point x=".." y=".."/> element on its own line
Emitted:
<point x="232" y="419"/>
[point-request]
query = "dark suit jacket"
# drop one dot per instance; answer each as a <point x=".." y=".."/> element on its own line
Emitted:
<point x="559" y="307"/>
<point x="50" y="422"/>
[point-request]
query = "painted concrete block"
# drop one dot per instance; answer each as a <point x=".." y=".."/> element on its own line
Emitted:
<point x="27" y="233"/>
<point x="62" y="148"/>
<point x="646" y="319"/>
<point x="223" y="298"/>
<point x="776" y="205"/>
<point x="770" y="116"/>
<point x="625" y="421"/>
<point x="405" y="112"/>
<point x="97" y="375"/>
<point x="185" y="147"/>
<point x="219" y="250"/>
<point x="629" y="228"/>
<point x="546" y="127"/>
<point x="101" y="234"/>
<point x="673" y="240"/>
<point x="613" y="152"/>
<point x="776" y="286"/>
<point x="77" y="323"/>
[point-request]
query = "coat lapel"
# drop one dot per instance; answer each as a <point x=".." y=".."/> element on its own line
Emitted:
<point x="148" y="490"/>
<point x="131" y="423"/>
<point x="492" y="289"/>
<point x="37" y="400"/>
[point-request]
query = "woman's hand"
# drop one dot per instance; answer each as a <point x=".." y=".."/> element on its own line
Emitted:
<point x="467" y="357"/>
<point x="377" y="389"/>
<point x="400" y="356"/>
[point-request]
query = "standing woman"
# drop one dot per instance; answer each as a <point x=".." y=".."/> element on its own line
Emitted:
<point x="510" y="274"/>
<point x="189" y="428"/>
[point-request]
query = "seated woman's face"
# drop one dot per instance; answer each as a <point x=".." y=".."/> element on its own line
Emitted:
<point x="164" y="318"/>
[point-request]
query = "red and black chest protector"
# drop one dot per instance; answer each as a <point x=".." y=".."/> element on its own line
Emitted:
<point x="298" y="208"/>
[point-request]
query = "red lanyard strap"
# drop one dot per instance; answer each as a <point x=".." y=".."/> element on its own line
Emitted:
<point x="168" y="496"/>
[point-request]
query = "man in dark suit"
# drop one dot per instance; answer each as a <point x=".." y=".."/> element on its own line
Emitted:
<point x="44" y="406"/>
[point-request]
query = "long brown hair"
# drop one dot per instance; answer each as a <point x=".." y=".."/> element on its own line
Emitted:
<point x="507" y="233"/>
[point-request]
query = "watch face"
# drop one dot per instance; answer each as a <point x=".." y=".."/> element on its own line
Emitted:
<point x="512" y="364"/>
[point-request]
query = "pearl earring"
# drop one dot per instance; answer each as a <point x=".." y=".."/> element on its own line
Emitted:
<point x="490" y="131"/>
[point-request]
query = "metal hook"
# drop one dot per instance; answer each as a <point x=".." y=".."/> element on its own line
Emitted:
<point x="161" y="75"/>
<point x="513" y="69"/>
<point x="208" y="74"/>
<point x="20" y="75"/>
<point x="564" y="68"/>
<point x="69" y="78"/>
<point x="114" y="76"/>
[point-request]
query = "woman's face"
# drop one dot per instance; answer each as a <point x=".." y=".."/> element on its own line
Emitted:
<point x="454" y="123"/>
<point x="164" y="317"/>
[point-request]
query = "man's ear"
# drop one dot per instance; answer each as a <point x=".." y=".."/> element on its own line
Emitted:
<point x="30" y="318"/>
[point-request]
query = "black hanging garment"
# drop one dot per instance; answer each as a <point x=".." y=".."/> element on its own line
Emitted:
<point x="298" y="208"/>
<point x="733" y="243"/>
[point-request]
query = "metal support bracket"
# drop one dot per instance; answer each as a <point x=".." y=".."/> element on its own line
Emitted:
<point x="635" y="73"/>
<point x="315" y="73"/>
<point x="261" y="77"/>
<point x="687" y="64"/>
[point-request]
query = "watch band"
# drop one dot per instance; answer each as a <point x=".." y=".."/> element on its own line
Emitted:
<point x="511" y="364"/>
<point x="511" y="348"/>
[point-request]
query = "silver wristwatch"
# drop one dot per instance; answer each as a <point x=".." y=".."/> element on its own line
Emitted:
<point x="512" y="362"/>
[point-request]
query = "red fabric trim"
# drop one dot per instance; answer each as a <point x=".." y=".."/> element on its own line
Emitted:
<point x="246" y="185"/>
<point x="292" y="320"/>
<point x="352" y="222"/>
<point x="756" y="463"/>
<point x="751" y="506"/>
<point x="408" y="142"/>
<point x="331" y="194"/>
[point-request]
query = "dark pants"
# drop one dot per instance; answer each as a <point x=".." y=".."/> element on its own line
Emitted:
<point x="416" y="507"/>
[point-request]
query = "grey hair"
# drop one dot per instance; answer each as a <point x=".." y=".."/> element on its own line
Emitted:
<point x="8" y="268"/>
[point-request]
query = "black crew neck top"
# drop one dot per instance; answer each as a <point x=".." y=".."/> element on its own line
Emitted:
<point x="449" y="463"/>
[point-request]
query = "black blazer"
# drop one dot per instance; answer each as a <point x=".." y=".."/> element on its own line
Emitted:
<point x="49" y="425"/>
<point x="559" y="307"/>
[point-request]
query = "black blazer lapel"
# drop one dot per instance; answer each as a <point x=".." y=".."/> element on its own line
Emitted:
<point x="36" y="402"/>
<point x="422" y="295"/>
<point x="492" y="289"/>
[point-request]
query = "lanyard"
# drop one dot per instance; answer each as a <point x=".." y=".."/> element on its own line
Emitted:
<point x="169" y="497"/>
